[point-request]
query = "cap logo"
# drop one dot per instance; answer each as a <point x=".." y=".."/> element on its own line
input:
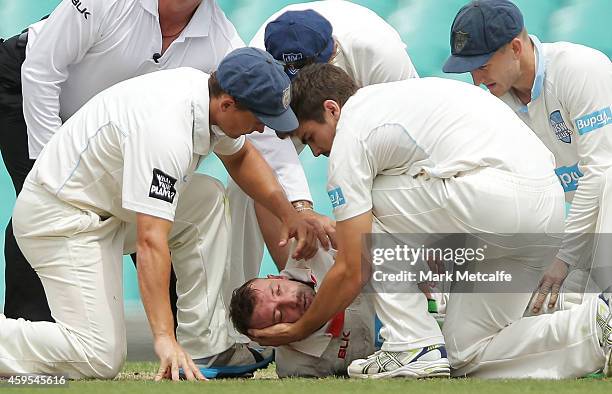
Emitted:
<point x="287" y="97"/>
<point x="460" y="39"/>
<point x="289" y="58"/>
<point x="292" y="57"/>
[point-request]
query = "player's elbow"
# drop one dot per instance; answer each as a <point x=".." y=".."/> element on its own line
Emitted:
<point x="351" y="280"/>
<point x="150" y="243"/>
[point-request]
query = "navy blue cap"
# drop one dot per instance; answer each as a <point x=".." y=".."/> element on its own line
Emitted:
<point x="479" y="29"/>
<point x="259" y="82"/>
<point x="297" y="38"/>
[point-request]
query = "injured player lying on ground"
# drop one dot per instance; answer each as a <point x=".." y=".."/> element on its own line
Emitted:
<point x="262" y="302"/>
<point x="284" y="298"/>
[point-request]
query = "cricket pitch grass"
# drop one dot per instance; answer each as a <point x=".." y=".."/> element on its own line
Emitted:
<point x="137" y="377"/>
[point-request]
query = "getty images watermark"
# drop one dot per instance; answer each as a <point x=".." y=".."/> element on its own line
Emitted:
<point x="470" y="263"/>
<point x="433" y="256"/>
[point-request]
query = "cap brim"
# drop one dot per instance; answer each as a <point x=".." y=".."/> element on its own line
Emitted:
<point x="463" y="64"/>
<point x="283" y="123"/>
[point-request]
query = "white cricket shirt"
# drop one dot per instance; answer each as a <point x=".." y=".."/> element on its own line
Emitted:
<point x="133" y="148"/>
<point x="431" y="126"/>
<point x="86" y="46"/>
<point x="339" y="341"/>
<point x="369" y="49"/>
<point x="312" y="271"/>
<point x="571" y="112"/>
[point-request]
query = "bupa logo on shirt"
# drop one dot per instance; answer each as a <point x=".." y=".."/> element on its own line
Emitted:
<point x="336" y="197"/>
<point x="162" y="186"/>
<point x="558" y="125"/>
<point x="594" y="120"/>
<point x="569" y="176"/>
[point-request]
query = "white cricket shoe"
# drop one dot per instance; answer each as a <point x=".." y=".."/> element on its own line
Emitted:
<point x="430" y="361"/>
<point x="604" y="329"/>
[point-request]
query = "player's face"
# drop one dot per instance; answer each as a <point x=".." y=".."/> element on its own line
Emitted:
<point x="499" y="73"/>
<point x="318" y="136"/>
<point x="236" y="122"/>
<point x="279" y="300"/>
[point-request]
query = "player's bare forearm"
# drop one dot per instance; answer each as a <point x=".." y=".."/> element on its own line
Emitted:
<point x="253" y="174"/>
<point x="344" y="280"/>
<point x="338" y="290"/>
<point x="270" y="230"/>
<point x="153" y="268"/>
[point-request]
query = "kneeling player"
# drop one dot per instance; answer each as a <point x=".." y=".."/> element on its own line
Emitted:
<point x="435" y="156"/>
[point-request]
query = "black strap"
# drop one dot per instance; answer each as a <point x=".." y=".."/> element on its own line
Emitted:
<point x="22" y="40"/>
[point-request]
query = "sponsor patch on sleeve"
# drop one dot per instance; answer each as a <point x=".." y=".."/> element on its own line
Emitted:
<point x="594" y="120"/>
<point x="569" y="176"/>
<point x="336" y="197"/>
<point x="162" y="186"/>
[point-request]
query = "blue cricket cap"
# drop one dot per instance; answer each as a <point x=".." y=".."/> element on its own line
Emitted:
<point x="298" y="38"/>
<point x="479" y="29"/>
<point x="259" y="82"/>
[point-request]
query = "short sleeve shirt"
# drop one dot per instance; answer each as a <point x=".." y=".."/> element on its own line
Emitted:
<point x="134" y="147"/>
<point x="429" y="126"/>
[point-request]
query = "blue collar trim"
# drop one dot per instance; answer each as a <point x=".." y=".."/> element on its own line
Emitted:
<point x="538" y="82"/>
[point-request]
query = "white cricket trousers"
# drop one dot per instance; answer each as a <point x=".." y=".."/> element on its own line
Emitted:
<point x="485" y="333"/>
<point x="78" y="257"/>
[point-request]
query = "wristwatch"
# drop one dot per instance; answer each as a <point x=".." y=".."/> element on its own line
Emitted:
<point x="302" y="205"/>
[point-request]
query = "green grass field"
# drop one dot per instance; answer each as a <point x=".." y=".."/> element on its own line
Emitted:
<point x="137" y="378"/>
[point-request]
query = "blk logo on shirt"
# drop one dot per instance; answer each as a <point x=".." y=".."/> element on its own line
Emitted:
<point x="79" y="7"/>
<point x="162" y="186"/>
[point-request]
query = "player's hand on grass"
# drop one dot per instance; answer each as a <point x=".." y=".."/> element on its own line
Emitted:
<point x="324" y="226"/>
<point x="551" y="282"/>
<point x="172" y="357"/>
<point x="296" y="225"/>
<point x="276" y="335"/>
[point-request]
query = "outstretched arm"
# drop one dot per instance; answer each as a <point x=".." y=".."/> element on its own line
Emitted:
<point x="153" y="279"/>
